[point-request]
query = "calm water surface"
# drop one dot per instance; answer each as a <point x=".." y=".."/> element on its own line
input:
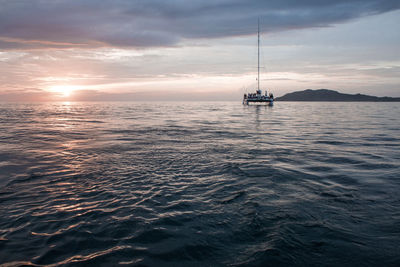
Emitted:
<point x="200" y="184"/>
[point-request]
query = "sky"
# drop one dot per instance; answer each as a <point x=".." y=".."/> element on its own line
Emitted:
<point x="90" y="50"/>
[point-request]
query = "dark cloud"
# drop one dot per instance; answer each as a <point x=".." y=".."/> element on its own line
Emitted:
<point x="28" y="24"/>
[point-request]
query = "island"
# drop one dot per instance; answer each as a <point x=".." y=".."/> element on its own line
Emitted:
<point x="331" y="95"/>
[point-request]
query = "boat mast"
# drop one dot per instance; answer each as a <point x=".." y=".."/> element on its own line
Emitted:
<point x="258" y="56"/>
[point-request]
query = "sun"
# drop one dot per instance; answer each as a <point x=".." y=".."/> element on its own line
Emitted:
<point x="63" y="90"/>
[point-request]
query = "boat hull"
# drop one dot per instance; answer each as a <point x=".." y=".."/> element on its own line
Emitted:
<point x="269" y="102"/>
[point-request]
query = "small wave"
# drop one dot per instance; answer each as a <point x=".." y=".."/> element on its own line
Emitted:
<point x="198" y="184"/>
<point x="233" y="197"/>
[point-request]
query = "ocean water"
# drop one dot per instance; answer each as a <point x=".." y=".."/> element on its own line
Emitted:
<point x="200" y="184"/>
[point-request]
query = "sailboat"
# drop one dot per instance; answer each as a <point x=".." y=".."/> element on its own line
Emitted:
<point x="258" y="97"/>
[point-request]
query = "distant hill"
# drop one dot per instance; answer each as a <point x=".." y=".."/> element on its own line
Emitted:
<point x="331" y="95"/>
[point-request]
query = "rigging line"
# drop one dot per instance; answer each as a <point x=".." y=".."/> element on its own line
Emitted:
<point x="258" y="56"/>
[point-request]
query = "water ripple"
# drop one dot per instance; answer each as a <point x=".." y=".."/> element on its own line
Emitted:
<point x="203" y="184"/>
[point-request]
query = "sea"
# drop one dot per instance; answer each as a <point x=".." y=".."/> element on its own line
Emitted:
<point x="199" y="184"/>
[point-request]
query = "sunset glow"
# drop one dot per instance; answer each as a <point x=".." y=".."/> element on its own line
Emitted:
<point x="84" y="51"/>
<point x="63" y="90"/>
<point x="199" y="133"/>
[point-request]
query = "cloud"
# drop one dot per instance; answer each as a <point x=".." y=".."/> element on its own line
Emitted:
<point x="95" y="95"/>
<point x="27" y="95"/>
<point x="28" y="24"/>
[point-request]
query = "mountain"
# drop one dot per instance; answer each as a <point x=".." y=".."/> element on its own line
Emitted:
<point x="331" y="95"/>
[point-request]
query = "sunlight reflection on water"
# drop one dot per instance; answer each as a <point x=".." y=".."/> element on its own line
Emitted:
<point x="199" y="183"/>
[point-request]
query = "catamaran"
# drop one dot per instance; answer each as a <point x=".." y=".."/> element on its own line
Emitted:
<point x="258" y="97"/>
